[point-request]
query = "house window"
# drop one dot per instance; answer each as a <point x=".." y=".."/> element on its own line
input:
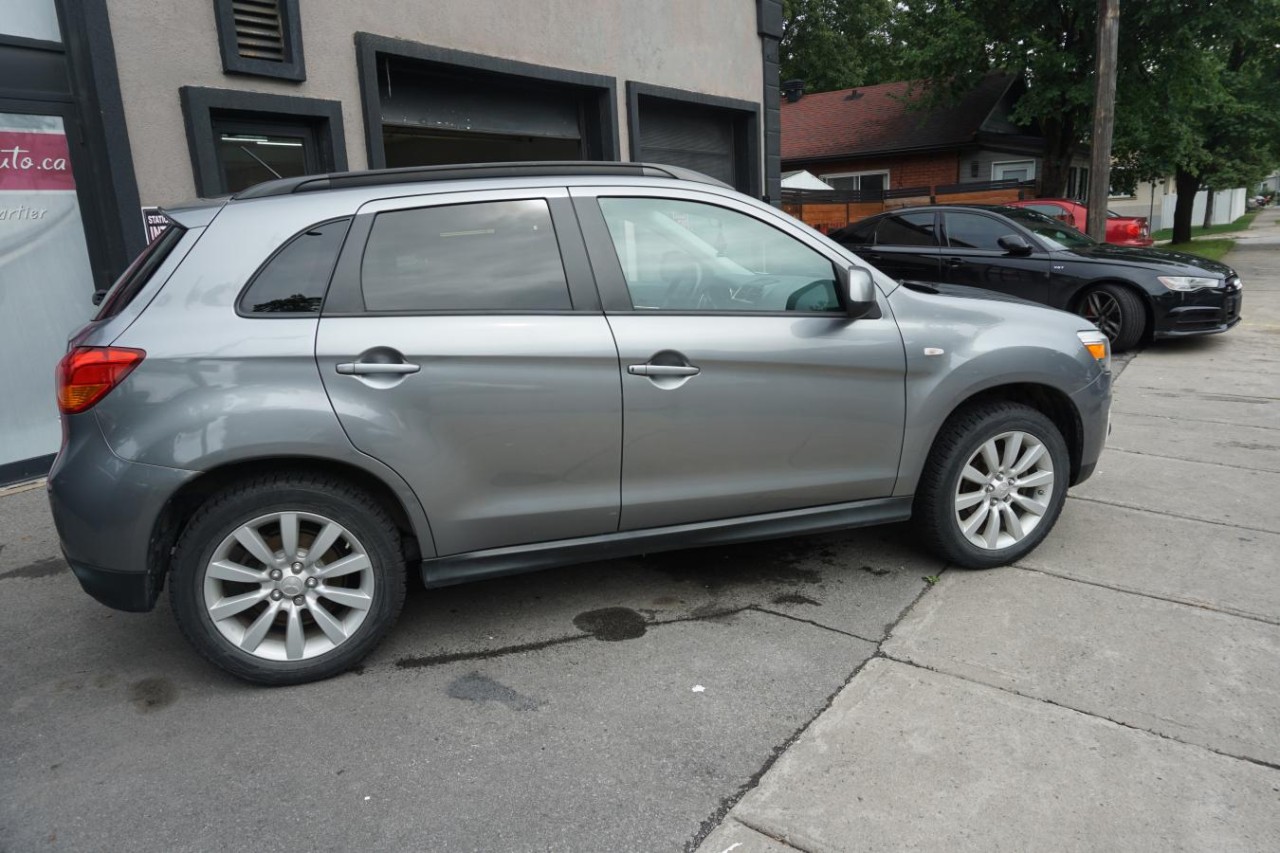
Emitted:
<point x="1014" y="170"/>
<point x="260" y="37"/>
<point x="858" y="181"/>
<point x="1078" y="183"/>
<point x="239" y="139"/>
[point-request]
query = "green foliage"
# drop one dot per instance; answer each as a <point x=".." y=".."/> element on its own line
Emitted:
<point x="1214" y="250"/>
<point x="837" y="44"/>
<point x="1241" y="224"/>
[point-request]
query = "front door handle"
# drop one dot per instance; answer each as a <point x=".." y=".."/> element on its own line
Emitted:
<point x="368" y="368"/>
<point x="955" y="262"/>
<point x="663" y="370"/>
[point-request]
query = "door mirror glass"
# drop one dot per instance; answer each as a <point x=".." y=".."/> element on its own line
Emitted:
<point x="1015" y="244"/>
<point x="859" y="291"/>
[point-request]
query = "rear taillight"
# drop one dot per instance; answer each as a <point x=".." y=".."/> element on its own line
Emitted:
<point x="1135" y="230"/>
<point x="87" y="374"/>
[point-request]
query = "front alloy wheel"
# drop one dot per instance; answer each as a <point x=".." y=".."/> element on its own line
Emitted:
<point x="1002" y="493"/>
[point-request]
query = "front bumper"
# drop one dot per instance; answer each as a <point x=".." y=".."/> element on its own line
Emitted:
<point x="1093" y="404"/>
<point x="105" y="509"/>
<point x="1208" y="311"/>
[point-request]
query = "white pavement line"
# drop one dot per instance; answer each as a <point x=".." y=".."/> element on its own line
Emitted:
<point x="1169" y="514"/>
<point x="1003" y="688"/>
<point x="1189" y="602"/>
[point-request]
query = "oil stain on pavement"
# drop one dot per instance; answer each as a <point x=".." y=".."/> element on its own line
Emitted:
<point x="611" y="624"/>
<point x="475" y="687"/>
<point x="152" y="694"/>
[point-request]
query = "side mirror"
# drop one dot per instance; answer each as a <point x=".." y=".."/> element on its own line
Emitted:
<point x="858" y="289"/>
<point x="1014" y="244"/>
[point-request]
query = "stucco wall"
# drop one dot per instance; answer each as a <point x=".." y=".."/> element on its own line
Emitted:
<point x="706" y="46"/>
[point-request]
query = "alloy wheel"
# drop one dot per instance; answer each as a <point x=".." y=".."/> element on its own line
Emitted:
<point x="1104" y="311"/>
<point x="288" y="586"/>
<point x="1004" y="490"/>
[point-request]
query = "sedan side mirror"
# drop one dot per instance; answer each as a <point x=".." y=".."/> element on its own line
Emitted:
<point x="1015" y="244"/>
<point x="858" y="289"/>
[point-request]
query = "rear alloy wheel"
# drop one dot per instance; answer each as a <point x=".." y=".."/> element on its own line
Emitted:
<point x="993" y="486"/>
<point x="1117" y="312"/>
<point x="289" y="578"/>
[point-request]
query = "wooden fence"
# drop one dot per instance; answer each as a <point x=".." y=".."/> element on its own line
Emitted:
<point x="829" y="211"/>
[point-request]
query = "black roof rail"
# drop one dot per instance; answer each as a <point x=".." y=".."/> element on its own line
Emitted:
<point x="415" y="174"/>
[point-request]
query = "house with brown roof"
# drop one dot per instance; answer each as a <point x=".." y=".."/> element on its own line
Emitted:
<point x="876" y="138"/>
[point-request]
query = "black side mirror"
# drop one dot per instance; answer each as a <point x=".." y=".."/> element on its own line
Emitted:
<point x="1015" y="244"/>
<point x="858" y="290"/>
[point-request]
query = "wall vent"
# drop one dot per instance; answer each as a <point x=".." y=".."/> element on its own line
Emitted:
<point x="259" y="30"/>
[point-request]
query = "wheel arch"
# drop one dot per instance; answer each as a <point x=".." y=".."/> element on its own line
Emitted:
<point x="184" y="503"/>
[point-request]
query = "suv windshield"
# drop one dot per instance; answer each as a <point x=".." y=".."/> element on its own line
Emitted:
<point x="1057" y="234"/>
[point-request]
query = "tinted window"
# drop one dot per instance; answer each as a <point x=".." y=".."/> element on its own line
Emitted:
<point x="907" y="229"/>
<point x="686" y="256"/>
<point x="294" y="281"/>
<point x="973" y="231"/>
<point x="489" y="256"/>
<point x="139" y="272"/>
<point x="1059" y="235"/>
<point x="1046" y="209"/>
<point x="860" y="234"/>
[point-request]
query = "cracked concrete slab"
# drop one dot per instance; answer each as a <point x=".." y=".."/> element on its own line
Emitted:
<point x="1183" y="672"/>
<point x="908" y="759"/>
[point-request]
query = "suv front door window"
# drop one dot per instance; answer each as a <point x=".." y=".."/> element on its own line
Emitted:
<point x="745" y="388"/>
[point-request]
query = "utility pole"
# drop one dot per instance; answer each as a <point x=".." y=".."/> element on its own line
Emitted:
<point x="1104" y="115"/>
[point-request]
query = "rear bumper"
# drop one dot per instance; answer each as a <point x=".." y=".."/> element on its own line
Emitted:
<point x="105" y="509"/>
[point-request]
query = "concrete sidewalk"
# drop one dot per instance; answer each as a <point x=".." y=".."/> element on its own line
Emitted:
<point x="1117" y="690"/>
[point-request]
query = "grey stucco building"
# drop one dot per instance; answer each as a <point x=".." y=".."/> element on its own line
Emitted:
<point x="111" y="106"/>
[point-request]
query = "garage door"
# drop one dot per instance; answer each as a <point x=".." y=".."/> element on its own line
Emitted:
<point x="697" y="138"/>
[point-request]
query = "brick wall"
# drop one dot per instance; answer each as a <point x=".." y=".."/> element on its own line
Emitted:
<point x="917" y="170"/>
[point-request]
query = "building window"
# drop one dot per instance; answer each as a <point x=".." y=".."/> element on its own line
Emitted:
<point x="858" y="181"/>
<point x="1078" y="183"/>
<point x="1014" y="170"/>
<point x="260" y="37"/>
<point x="238" y="139"/>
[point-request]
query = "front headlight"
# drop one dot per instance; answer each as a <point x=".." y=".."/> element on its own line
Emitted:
<point x="1098" y="345"/>
<point x="1188" y="282"/>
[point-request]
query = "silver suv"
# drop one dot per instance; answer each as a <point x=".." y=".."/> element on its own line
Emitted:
<point x="298" y="396"/>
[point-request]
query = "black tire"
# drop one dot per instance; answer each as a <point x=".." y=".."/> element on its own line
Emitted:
<point x="235" y="505"/>
<point x="1126" y="325"/>
<point x="960" y="437"/>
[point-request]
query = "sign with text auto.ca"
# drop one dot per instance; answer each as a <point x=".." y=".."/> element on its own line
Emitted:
<point x="34" y="161"/>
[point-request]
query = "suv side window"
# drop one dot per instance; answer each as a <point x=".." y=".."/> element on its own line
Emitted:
<point x="907" y="229"/>
<point x="483" y="256"/>
<point x="688" y="256"/>
<point x="295" y="279"/>
<point x="974" y="231"/>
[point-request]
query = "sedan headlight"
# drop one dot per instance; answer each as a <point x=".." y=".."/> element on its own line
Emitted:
<point x="1098" y="345"/>
<point x="1188" y="282"/>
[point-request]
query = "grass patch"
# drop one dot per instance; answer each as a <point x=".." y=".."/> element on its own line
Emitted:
<point x="1211" y="249"/>
<point x="1239" y="225"/>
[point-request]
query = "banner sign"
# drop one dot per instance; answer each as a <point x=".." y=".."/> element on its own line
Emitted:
<point x="154" y="221"/>
<point x="34" y="161"/>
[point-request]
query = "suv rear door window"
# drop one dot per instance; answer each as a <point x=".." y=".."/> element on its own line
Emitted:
<point x="907" y="229"/>
<point x="295" y="279"/>
<point x="140" y="272"/>
<point x="485" y="256"/>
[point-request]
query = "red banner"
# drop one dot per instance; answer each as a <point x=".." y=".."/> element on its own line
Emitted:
<point x="34" y="161"/>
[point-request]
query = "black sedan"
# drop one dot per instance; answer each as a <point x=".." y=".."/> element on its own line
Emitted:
<point x="1131" y="294"/>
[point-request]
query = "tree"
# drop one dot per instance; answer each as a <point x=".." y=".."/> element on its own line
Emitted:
<point x="837" y="44"/>
<point x="1199" y="102"/>
<point x="952" y="44"/>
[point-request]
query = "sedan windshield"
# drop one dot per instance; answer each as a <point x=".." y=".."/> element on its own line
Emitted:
<point x="1057" y="234"/>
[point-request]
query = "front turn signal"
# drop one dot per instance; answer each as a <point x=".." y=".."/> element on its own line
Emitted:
<point x="1097" y="345"/>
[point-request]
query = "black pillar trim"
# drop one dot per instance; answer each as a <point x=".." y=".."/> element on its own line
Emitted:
<point x="748" y="159"/>
<point x="769" y="26"/>
<point x="91" y="67"/>
<point x="369" y="46"/>
<point x="199" y="103"/>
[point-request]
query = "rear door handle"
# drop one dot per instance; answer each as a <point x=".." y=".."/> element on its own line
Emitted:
<point x="663" y="370"/>
<point x="955" y="262"/>
<point x="368" y="368"/>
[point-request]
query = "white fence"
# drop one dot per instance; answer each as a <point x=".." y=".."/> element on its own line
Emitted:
<point x="1228" y="206"/>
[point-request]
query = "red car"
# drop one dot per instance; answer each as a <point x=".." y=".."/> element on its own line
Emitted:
<point x="1121" y="230"/>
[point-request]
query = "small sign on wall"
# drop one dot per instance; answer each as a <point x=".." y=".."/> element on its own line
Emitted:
<point x="154" y="220"/>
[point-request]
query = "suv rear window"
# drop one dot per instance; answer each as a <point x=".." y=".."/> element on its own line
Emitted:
<point x="485" y="256"/>
<point x="295" y="279"/>
<point x="139" y="272"/>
